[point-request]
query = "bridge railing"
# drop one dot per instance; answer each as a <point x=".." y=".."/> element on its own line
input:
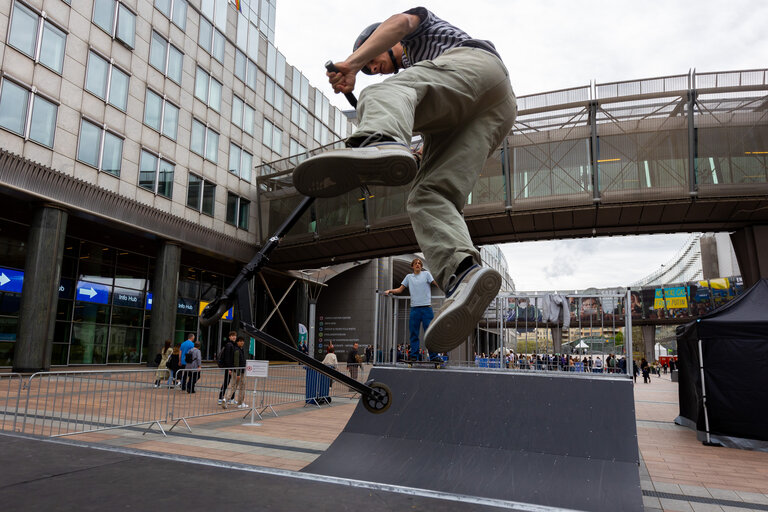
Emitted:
<point x="657" y="139"/>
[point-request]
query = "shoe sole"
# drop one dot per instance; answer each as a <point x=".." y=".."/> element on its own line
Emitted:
<point x="337" y="172"/>
<point x="453" y="326"/>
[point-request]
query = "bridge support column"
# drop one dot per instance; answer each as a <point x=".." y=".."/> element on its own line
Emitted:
<point x="751" y="246"/>
<point x="40" y="291"/>
<point x="649" y="341"/>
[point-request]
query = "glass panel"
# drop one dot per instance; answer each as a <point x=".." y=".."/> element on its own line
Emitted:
<point x="13" y="107"/>
<point x="62" y="329"/>
<point x="43" y="121"/>
<point x="180" y="13"/>
<point x="128" y="315"/>
<point x="113" y="154"/>
<point x="252" y="73"/>
<point x="23" y="34"/>
<point x="209" y="193"/>
<point x="137" y="263"/>
<point x="165" y="179"/>
<point x="89" y="343"/>
<point x="277" y="140"/>
<point x="231" y="208"/>
<point x="175" y="60"/>
<point x="204" y="37"/>
<point x="157" y="52"/>
<point x="267" y="134"/>
<point x="164" y="6"/>
<point x="89" y="144"/>
<point x="118" y="89"/>
<point x="234" y="159"/>
<point x="237" y="111"/>
<point x="153" y="105"/>
<point x="171" y="121"/>
<point x="242" y="217"/>
<point x="212" y="146"/>
<point x="52" y="47"/>
<point x="103" y="14"/>
<point x="193" y="191"/>
<point x="147" y="171"/>
<point x="197" y="138"/>
<point x="10" y="303"/>
<point x="248" y="118"/>
<point x="91" y="312"/>
<point x="218" y="46"/>
<point x="124" y="344"/>
<point x="240" y="65"/>
<point x="126" y="26"/>
<point x="59" y="353"/>
<point x="201" y="85"/>
<point x="96" y="77"/>
<point x="247" y="165"/>
<point x="214" y="99"/>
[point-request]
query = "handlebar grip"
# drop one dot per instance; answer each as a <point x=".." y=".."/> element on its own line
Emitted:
<point x="350" y="97"/>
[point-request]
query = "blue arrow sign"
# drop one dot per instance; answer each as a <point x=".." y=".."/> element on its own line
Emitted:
<point x="149" y="302"/>
<point x="92" y="292"/>
<point x="11" y="280"/>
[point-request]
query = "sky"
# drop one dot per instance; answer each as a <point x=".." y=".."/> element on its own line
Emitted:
<point x="550" y="45"/>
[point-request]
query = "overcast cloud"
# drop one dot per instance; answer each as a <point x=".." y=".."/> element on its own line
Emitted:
<point x="550" y="45"/>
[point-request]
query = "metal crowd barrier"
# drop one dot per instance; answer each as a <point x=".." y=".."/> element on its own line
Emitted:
<point x="10" y="397"/>
<point x="66" y="403"/>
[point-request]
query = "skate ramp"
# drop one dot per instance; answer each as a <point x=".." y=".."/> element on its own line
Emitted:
<point x="555" y="440"/>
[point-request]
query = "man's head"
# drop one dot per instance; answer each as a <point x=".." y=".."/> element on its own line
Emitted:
<point x="232" y="336"/>
<point x="191" y="336"/>
<point x="240" y="341"/>
<point x="383" y="64"/>
<point x="417" y="265"/>
<point x="355" y="345"/>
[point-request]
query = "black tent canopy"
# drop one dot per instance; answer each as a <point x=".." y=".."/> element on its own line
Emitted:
<point x="723" y="372"/>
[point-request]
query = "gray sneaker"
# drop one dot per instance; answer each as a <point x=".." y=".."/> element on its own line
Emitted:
<point x="333" y="173"/>
<point x="467" y="298"/>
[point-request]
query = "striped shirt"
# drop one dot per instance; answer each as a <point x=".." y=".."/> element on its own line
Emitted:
<point x="431" y="39"/>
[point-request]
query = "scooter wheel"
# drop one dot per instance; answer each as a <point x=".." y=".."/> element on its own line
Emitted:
<point x="379" y="400"/>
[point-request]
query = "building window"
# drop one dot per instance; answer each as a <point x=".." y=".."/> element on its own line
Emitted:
<point x="274" y="95"/>
<point x="245" y="69"/>
<point x="166" y="58"/>
<point x="161" y="115"/>
<point x="176" y="10"/>
<point x="238" y="210"/>
<point x="322" y="133"/>
<point x="204" y="141"/>
<point x="300" y="89"/>
<point x="26" y="113"/>
<point x="100" y="148"/>
<point x="211" y="40"/>
<point x="201" y="194"/>
<point x="156" y="174"/>
<point x="216" y="10"/>
<point x="299" y="115"/>
<point x="273" y="136"/>
<point x="37" y="37"/>
<point x="208" y="89"/>
<point x="243" y="115"/>
<point x="275" y="64"/>
<point x="115" y="19"/>
<point x="240" y="162"/>
<point x="107" y="81"/>
<point x="341" y="124"/>
<point x="297" y="151"/>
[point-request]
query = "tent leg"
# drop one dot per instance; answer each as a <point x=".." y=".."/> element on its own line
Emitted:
<point x="708" y="441"/>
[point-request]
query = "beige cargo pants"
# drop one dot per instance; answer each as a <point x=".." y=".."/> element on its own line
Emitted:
<point x="463" y="105"/>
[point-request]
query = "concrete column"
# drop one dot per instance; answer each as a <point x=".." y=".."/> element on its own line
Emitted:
<point x="751" y="247"/>
<point x="709" y="263"/>
<point x="649" y="341"/>
<point x="40" y="292"/>
<point x="164" y="298"/>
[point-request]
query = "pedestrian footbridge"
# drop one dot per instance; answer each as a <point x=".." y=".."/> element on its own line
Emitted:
<point x="676" y="153"/>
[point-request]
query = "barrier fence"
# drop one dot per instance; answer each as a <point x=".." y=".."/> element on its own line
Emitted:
<point x="10" y="397"/>
<point x="75" y="402"/>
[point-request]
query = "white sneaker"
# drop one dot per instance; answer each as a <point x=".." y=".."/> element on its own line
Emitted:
<point x="338" y="171"/>
<point x="467" y="298"/>
<point x="232" y="401"/>
<point x="242" y="406"/>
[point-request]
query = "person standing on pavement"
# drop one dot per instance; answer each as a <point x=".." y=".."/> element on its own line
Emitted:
<point x="227" y="360"/>
<point x="455" y="91"/>
<point x="186" y="346"/>
<point x="419" y="286"/>
<point x="353" y="361"/>
<point x="162" y="367"/>
<point x="238" y="372"/>
<point x="192" y="372"/>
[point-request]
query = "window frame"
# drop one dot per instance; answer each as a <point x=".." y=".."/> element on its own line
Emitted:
<point x="239" y="120"/>
<point x="171" y="14"/>
<point x="214" y="44"/>
<point x="109" y="79"/>
<point x="241" y="162"/>
<point x="208" y="89"/>
<point x="32" y="96"/>
<point x="206" y="130"/>
<point x="167" y="58"/>
<point x="200" y="201"/>
<point x="43" y="23"/>
<point x="163" y="120"/>
<point x="240" y="221"/>
<point x="119" y="7"/>
<point x="250" y="72"/>
<point x="103" y="130"/>
<point x="156" y="180"/>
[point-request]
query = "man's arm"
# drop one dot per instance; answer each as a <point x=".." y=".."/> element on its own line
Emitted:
<point x="386" y="35"/>
<point x="396" y="291"/>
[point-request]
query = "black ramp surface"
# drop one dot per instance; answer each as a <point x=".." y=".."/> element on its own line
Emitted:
<point x="44" y="475"/>
<point x="553" y="440"/>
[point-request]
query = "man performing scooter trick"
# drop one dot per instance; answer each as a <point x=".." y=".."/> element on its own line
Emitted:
<point x="454" y="91"/>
